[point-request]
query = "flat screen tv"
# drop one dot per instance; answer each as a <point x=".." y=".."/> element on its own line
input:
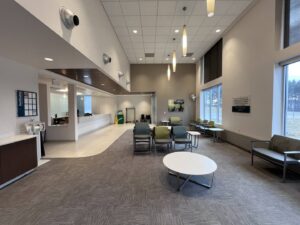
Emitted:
<point x="213" y="62"/>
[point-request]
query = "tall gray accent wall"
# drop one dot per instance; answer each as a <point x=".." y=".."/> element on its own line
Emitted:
<point x="153" y="77"/>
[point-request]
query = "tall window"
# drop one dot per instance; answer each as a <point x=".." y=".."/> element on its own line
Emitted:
<point x="87" y="104"/>
<point x="292" y="100"/>
<point x="291" y="22"/>
<point x="212" y="104"/>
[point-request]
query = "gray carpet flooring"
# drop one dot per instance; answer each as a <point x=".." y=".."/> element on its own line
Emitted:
<point x="118" y="188"/>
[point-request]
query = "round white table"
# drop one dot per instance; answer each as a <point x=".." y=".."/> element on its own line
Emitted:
<point x="216" y="131"/>
<point x="189" y="164"/>
<point x="194" y="136"/>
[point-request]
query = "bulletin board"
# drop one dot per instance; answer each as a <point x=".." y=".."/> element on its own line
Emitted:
<point x="26" y="104"/>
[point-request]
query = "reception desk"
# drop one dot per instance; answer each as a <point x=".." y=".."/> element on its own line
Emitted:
<point x="18" y="157"/>
<point x="88" y="124"/>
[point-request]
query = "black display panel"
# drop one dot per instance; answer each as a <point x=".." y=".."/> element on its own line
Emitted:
<point x="213" y="62"/>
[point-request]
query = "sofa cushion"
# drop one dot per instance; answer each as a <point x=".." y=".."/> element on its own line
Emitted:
<point x="273" y="155"/>
<point x="281" y="144"/>
<point x="175" y="119"/>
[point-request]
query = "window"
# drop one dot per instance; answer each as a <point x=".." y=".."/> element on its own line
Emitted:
<point x="292" y="100"/>
<point x="291" y="22"/>
<point x="87" y="104"/>
<point x="212" y="104"/>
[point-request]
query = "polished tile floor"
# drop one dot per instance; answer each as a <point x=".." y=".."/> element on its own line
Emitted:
<point x="87" y="145"/>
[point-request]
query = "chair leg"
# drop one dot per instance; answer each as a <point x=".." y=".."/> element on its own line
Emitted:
<point x="284" y="173"/>
<point x="252" y="158"/>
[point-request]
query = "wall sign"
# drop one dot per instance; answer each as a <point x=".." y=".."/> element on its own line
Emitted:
<point x="241" y="105"/>
<point x="26" y="103"/>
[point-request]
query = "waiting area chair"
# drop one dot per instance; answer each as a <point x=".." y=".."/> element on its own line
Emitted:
<point x="141" y="134"/>
<point x="162" y="136"/>
<point x="175" y="121"/>
<point x="180" y="136"/>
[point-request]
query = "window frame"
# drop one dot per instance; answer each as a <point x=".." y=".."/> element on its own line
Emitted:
<point x="219" y="105"/>
<point x="286" y="35"/>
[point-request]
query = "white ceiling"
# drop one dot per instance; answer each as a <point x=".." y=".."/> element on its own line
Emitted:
<point x="156" y="20"/>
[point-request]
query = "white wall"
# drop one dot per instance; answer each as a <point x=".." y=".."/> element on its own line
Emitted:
<point x="141" y="103"/>
<point x="105" y="105"/>
<point x="14" y="76"/>
<point x="93" y="37"/>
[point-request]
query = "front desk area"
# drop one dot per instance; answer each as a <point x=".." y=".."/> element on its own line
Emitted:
<point x="74" y="112"/>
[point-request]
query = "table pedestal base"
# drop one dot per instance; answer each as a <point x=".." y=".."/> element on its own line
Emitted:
<point x="188" y="179"/>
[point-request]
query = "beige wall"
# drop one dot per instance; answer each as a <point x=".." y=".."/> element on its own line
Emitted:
<point x="251" y="53"/>
<point x="153" y="77"/>
<point x="105" y="105"/>
<point x="141" y="103"/>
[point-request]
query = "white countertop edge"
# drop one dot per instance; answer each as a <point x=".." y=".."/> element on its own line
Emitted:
<point x="15" y="138"/>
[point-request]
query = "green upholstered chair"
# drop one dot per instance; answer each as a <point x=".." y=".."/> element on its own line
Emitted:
<point x="141" y="134"/>
<point x="175" y="121"/>
<point x="162" y="136"/>
<point x="180" y="137"/>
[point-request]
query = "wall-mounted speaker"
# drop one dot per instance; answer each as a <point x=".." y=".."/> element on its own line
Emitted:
<point x="69" y="19"/>
<point x="106" y="59"/>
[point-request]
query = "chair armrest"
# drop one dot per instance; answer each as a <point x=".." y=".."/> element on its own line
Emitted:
<point x="254" y="142"/>
<point x="260" y="141"/>
<point x="291" y="152"/>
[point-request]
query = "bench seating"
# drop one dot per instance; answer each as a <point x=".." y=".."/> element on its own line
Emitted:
<point x="280" y="150"/>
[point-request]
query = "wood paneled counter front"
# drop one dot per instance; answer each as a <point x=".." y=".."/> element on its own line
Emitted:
<point x="18" y="157"/>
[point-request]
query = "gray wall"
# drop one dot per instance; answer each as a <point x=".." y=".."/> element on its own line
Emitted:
<point x="153" y="77"/>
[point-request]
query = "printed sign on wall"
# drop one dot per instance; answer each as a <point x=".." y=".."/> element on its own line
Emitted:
<point x="26" y="103"/>
<point x="241" y="105"/>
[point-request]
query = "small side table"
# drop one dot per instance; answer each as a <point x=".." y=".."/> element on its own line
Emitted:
<point x="164" y="122"/>
<point x="216" y="131"/>
<point x="194" y="136"/>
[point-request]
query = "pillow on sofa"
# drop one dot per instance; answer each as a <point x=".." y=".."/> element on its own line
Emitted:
<point x="279" y="143"/>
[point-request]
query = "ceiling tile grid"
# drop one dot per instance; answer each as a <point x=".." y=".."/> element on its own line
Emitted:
<point x="155" y="22"/>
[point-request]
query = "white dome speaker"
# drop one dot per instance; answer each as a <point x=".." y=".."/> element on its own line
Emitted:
<point x="69" y="19"/>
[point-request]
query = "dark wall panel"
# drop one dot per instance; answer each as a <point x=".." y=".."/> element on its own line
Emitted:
<point x="213" y="62"/>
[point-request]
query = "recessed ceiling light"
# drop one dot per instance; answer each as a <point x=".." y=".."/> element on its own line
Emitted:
<point x="140" y="59"/>
<point x="218" y="31"/>
<point x="102" y="84"/>
<point x="176" y="31"/>
<point x="86" y="76"/>
<point x="167" y="58"/>
<point x="135" y="31"/>
<point x="194" y="59"/>
<point x="48" y="59"/>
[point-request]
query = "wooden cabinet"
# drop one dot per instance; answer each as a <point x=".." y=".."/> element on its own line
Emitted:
<point x="16" y="159"/>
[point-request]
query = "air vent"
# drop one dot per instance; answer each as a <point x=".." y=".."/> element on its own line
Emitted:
<point x="149" y="55"/>
<point x="189" y="54"/>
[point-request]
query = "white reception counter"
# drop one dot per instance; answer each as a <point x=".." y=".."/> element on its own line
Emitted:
<point x="88" y="124"/>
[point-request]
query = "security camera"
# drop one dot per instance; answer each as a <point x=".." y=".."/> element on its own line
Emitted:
<point x="106" y="59"/>
<point x="69" y="19"/>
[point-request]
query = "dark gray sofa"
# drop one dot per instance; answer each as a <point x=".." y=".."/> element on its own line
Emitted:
<point x="280" y="150"/>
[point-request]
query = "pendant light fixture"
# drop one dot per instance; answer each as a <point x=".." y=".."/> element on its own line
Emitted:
<point x="184" y="37"/>
<point x="211" y="7"/>
<point x="184" y="41"/>
<point x="169" y="72"/>
<point x="174" y="61"/>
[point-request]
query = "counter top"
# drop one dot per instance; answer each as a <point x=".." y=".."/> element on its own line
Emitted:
<point x="83" y="119"/>
<point x="15" y="138"/>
